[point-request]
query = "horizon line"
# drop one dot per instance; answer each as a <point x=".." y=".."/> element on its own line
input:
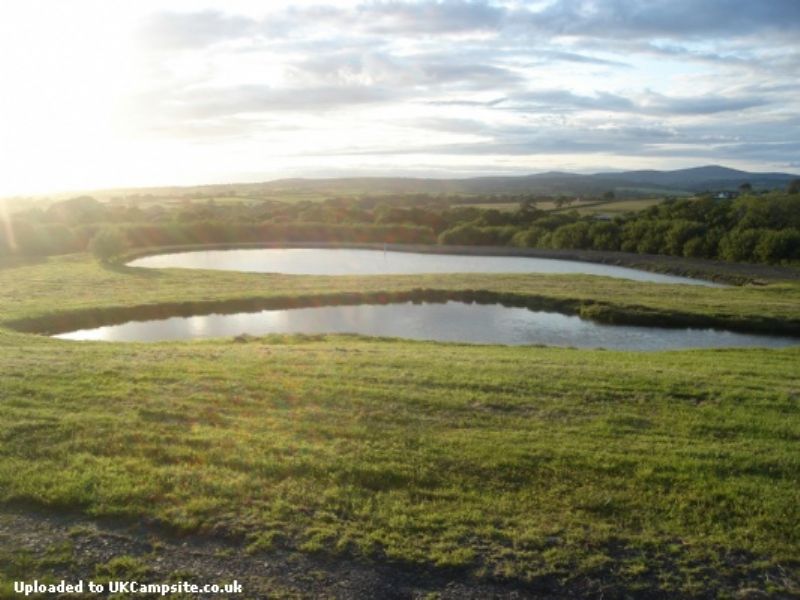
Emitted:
<point x="242" y="182"/>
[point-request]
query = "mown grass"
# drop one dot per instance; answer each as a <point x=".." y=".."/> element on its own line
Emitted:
<point x="76" y="284"/>
<point x="674" y="471"/>
<point x="619" y="206"/>
<point x="19" y="565"/>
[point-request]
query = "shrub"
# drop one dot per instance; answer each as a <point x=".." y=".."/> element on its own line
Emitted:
<point x="605" y="236"/>
<point x="775" y="246"/>
<point x="108" y="244"/>
<point x="529" y="238"/>
<point x="679" y="233"/>
<point x="573" y="236"/>
<point x="473" y="235"/>
<point x="740" y="244"/>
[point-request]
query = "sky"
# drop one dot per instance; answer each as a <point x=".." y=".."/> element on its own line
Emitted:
<point x="111" y="93"/>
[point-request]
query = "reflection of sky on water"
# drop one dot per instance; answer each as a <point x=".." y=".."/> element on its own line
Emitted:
<point x="450" y="322"/>
<point x="324" y="261"/>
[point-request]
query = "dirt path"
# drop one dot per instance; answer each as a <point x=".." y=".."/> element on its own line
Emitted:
<point x="54" y="547"/>
<point x="50" y="547"/>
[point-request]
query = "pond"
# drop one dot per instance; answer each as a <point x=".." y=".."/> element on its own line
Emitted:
<point x="451" y="321"/>
<point x="340" y="261"/>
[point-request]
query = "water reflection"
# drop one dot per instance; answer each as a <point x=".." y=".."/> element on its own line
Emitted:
<point x="325" y="261"/>
<point x="448" y="322"/>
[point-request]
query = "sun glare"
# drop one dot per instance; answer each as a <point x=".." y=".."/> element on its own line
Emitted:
<point x="65" y="72"/>
<point x="101" y="94"/>
<point x="7" y="229"/>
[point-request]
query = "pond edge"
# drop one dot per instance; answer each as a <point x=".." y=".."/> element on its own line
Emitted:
<point x="702" y="269"/>
<point x="600" y="312"/>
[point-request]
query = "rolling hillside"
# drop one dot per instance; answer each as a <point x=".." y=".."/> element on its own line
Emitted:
<point x="625" y="184"/>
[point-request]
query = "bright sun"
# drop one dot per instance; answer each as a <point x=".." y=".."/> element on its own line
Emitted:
<point x="108" y="94"/>
<point x="64" y="66"/>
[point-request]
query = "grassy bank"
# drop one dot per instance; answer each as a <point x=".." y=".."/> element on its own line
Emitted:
<point x="727" y="272"/>
<point x="62" y="292"/>
<point x="620" y="472"/>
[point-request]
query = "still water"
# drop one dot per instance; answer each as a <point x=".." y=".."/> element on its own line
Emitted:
<point x="325" y="261"/>
<point x="447" y="322"/>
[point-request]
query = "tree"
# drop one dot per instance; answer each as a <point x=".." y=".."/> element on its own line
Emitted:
<point x="775" y="246"/>
<point x="745" y="188"/>
<point x="108" y="244"/>
<point x="609" y="195"/>
<point x="563" y="201"/>
<point x="794" y="186"/>
<point x="83" y="209"/>
<point x="680" y="232"/>
<point x="605" y="236"/>
<point x="644" y="236"/>
<point x="529" y="238"/>
<point x="739" y="245"/>
<point x="572" y="236"/>
<point x="696" y="247"/>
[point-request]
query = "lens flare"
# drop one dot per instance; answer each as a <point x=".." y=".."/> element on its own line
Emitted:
<point x="8" y="230"/>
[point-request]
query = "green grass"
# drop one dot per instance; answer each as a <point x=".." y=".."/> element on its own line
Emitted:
<point x="620" y="206"/>
<point x="589" y="207"/>
<point x="16" y="565"/>
<point x="501" y="206"/>
<point x="77" y="285"/>
<point x="674" y="471"/>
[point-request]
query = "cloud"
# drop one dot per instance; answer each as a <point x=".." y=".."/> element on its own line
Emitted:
<point x="223" y="128"/>
<point x="674" y="19"/>
<point x="427" y="17"/>
<point x="428" y="70"/>
<point x="609" y="19"/>
<point x="430" y="17"/>
<point x="699" y="105"/>
<point x="195" y="29"/>
<point x="453" y="125"/>
<point x="764" y="141"/>
<point x="564" y="100"/>
<point x="580" y="77"/>
<point x="225" y="101"/>
<point x="651" y="103"/>
<point x="471" y="76"/>
<point x="548" y="56"/>
<point x="765" y="150"/>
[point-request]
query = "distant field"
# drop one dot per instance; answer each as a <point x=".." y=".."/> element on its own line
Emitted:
<point x="620" y="206"/>
<point x="586" y="208"/>
<point x="650" y="191"/>
<point x="502" y="206"/>
<point x="145" y="202"/>
<point x="547" y="205"/>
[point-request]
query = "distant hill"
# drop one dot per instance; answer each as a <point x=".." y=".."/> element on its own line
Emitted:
<point x="712" y="177"/>
<point x="657" y="183"/>
<point x="625" y="184"/>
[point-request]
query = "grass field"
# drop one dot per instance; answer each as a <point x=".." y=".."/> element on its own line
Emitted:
<point x="620" y="206"/>
<point x="670" y="473"/>
<point x="590" y="207"/>
<point x="612" y="207"/>
<point x="501" y="206"/>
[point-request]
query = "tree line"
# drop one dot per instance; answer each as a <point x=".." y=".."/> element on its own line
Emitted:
<point x="761" y="227"/>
